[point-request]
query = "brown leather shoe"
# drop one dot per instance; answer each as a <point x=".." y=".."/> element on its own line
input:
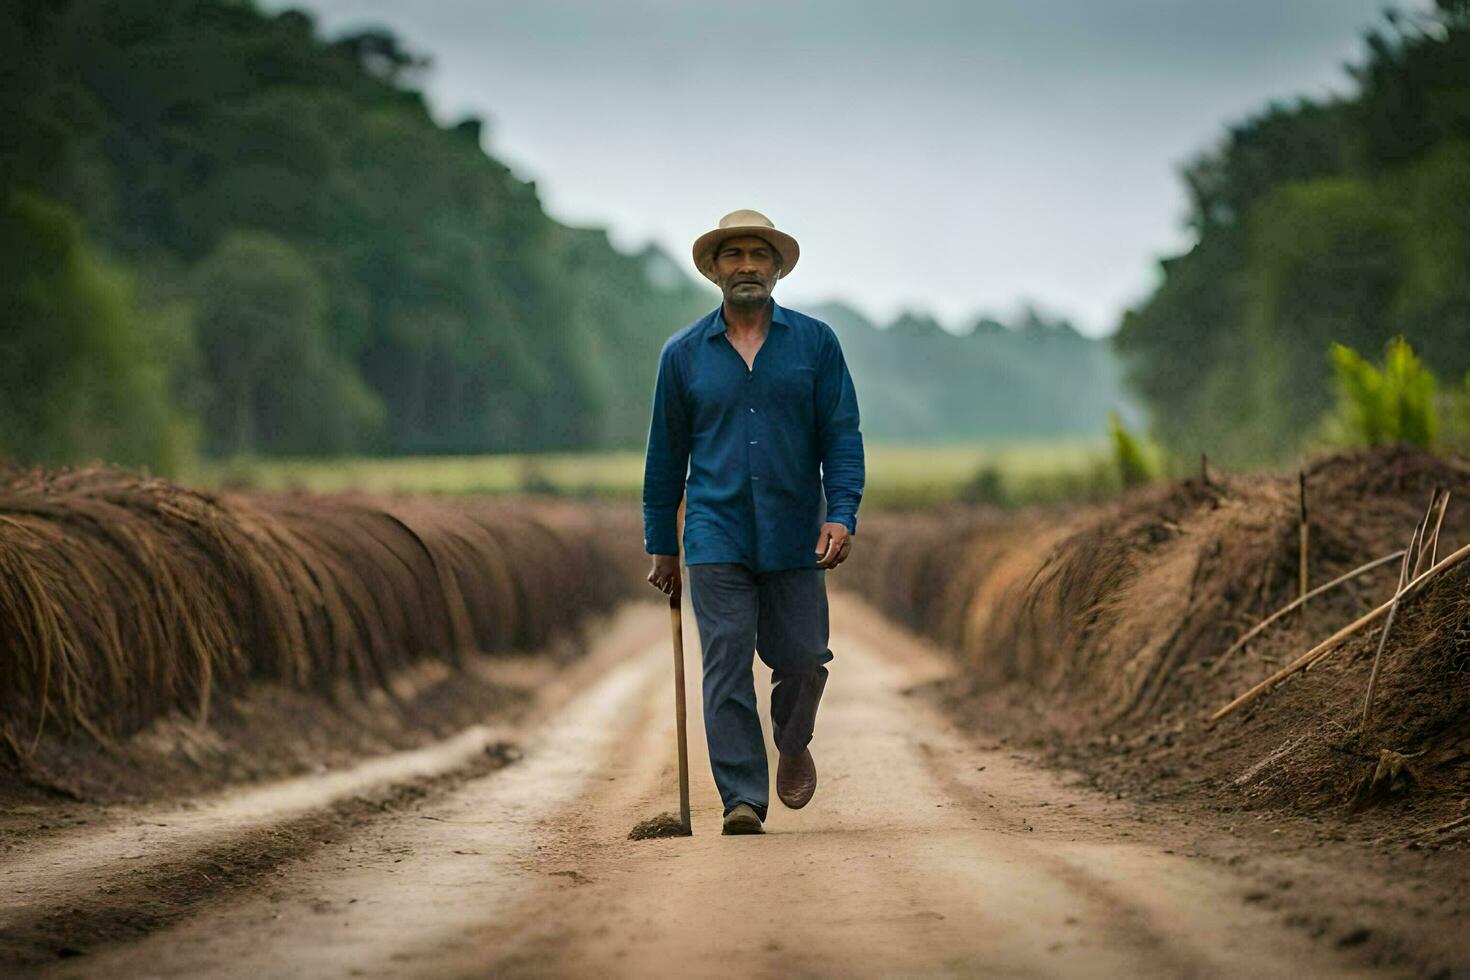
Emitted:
<point x="742" y="820"/>
<point x="796" y="778"/>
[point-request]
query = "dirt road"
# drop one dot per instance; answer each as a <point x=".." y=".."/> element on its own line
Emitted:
<point x="923" y="853"/>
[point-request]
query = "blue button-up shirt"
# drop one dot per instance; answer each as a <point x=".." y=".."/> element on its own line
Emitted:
<point x="754" y="447"/>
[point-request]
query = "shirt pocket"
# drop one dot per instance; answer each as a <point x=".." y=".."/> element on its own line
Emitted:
<point x="793" y="389"/>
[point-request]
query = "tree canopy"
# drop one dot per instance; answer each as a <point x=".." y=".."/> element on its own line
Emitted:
<point x="338" y="271"/>
<point x="1316" y="223"/>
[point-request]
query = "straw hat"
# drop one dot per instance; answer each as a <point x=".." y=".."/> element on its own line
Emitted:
<point x="744" y="222"/>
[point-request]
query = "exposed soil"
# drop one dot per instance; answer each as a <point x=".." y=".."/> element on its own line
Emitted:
<point x="140" y="833"/>
<point x="155" y="893"/>
<point x="927" y="850"/>
<point x="268" y="732"/>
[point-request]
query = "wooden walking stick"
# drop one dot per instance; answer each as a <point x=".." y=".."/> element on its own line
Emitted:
<point x="667" y="824"/>
<point x="676" y="614"/>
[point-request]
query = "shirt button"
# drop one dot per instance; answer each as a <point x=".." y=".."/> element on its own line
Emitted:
<point x="752" y="442"/>
<point x="752" y="410"/>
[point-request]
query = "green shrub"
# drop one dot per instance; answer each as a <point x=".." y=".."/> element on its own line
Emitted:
<point x="1377" y="404"/>
<point x="985" y="486"/>
<point x="1136" y="464"/>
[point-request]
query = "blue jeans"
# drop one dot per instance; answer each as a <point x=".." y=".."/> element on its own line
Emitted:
<point x="783" y="616"/>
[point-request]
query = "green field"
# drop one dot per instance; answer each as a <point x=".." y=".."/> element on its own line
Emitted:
<point x="898" y="476"/>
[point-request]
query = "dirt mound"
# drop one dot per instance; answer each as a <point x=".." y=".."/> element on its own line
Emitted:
<point x="134" y="608"/>
<point x="1102" y="632"/>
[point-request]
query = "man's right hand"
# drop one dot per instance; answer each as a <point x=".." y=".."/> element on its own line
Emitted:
<point x="665" y="575"/>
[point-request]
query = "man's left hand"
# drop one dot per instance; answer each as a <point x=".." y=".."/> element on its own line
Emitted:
<point x="833" y="544"/>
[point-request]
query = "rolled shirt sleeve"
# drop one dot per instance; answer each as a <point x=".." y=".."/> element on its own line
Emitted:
<point x="840" y="440"/>
<point x="666" y="465"/>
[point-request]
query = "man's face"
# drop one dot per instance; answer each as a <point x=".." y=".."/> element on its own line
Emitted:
<point x="746" y="268"/>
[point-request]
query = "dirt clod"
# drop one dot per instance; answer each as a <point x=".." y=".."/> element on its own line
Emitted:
<point x="663" y="825"/>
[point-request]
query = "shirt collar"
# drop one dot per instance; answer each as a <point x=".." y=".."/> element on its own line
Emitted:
<point x="717" y="319"/>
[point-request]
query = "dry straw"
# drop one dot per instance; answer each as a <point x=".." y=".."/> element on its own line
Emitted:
<point x="123" y="598"/>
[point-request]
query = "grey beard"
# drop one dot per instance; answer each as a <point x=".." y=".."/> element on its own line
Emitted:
<point x="741" y="302"/>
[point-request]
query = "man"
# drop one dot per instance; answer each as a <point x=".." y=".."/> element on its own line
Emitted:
<point x="755" y="416"/>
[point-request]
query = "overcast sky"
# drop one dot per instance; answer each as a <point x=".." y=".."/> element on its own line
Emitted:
<point x="952" y="156"/>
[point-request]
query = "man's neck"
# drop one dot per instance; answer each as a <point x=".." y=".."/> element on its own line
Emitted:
<point x="747" y="319"/>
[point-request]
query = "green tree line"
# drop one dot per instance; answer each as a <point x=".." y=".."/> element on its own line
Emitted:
<point x="1035" y="377"/>
<point x="1316" y="223"/>
<point x="222" y="232"/>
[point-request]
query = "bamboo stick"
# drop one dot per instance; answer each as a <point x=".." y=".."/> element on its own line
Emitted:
<point x="1456" y="824"/>
<point x="1336" y="639"/>
<point x="1444" y="504"/>
<point x="1424" y="525"/>
<point x="1303" y="534"/>
<point x="1388" y="625"/>
<point x="1256" y="630"/>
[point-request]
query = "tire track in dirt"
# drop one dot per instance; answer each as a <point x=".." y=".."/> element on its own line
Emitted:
<point x="922" y="854"/>
<point x="57" y="869"/>
<point x="138" y="893"/>
<point x="145" y="868"/>
<point x="438" y="869"/>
